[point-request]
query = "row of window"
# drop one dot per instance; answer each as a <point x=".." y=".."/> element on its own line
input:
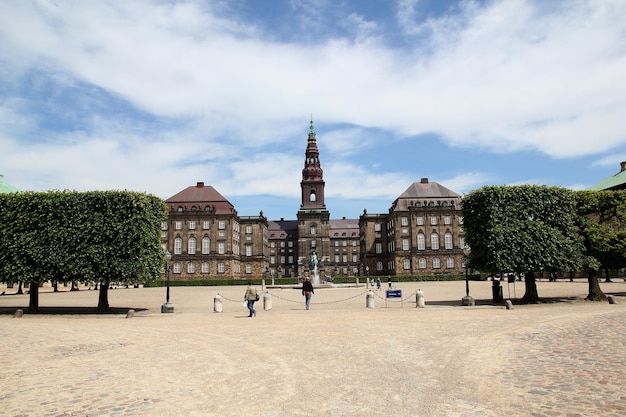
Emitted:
<point x="177" y="268"/>
<point x="436" y="263"/>
<point x="419" y="220"/>
<point x="206" y="225"/>
<point x="421" y="243"/>
<point x="421" y="264"/>
<point x="206" y="247"/>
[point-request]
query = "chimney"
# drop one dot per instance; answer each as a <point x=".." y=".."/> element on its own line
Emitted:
<point x="200" y="184"/>
<point x="623" y="166"/>
<point x="424" y="181"/>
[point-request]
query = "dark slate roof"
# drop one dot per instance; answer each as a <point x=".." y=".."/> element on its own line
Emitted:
<point x="201" y="195"/>
<point x="280" y="229"/>
<point x="423" y="193"/>
<point x="614" y="182"/>
<point x="426" y="189"/>
<point x="6" y="188"/>
<point x="343" y="228"/>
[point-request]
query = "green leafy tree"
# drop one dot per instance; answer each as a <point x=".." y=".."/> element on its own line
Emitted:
<point x="602" y="225"/>
<point x="84" y="237"/>
<point x="522" y="228"/>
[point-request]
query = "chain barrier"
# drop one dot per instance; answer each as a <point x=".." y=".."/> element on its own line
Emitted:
<point x="319" y="303"/>
<point x="230" y="299"/>
<point x="329" y="302"/>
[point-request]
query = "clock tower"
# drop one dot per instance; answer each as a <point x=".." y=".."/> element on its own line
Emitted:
<point x="313" y="217"/>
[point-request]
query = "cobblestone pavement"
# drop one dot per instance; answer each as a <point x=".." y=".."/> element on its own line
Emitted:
<point x="338" y="359"/>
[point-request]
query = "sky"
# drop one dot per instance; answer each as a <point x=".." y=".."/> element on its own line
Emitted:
<point x="157" y="95"/>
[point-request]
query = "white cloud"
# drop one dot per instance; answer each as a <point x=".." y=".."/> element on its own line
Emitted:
<point x="348" y="180"/>
<point x="611" y="161"/>
<point x="508" y="78"/>
<point x="465" y="182"/>
<point x="505" y="76"/>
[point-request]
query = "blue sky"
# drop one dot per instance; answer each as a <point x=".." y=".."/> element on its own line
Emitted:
<point x="155" y="95"/>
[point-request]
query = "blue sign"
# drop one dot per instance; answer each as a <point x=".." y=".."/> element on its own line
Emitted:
<point x="394" y="293"/>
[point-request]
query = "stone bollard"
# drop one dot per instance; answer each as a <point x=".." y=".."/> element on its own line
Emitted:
<point x="18" y="313"/>
<point x="217" y="303"/>
<point x="419" y="299"/>
<point x="267" y="301"/>
<point x="369" y="299"/>
<point x="130" y="314"/>
<point x="611" y="299"/>
<point x="509" y="305"/>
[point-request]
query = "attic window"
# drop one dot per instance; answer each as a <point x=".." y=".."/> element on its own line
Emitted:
<point x="312" y="197"/>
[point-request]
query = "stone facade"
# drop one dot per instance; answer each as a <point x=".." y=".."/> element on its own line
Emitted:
<point x="207" y="238"/>
<point x="421" y="235"/>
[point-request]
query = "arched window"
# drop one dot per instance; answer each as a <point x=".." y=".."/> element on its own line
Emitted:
<point x="434" y="241"/>
<point x="205" y="267"/>
<point x="448" y="240"/>
<point x="406" y="264"/>
<point x="191" y="268"/>
<point x="379" y="266"/>
<point x="312" y="197"/>
<point x="191" y="246"/>
<point x="450" y="262"/>
<point x="436" y="263"/>
<point x="421" y="241"/>
<point x="206" y="245"/>
<point x="422" y="263"/>
<point x="178" y="246"/>
<point x="176" y="268"/>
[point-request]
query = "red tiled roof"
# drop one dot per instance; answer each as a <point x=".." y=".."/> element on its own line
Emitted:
<point x="201" y="195"/>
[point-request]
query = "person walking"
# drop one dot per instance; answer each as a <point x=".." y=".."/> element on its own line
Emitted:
<point x="251" y="297"/>
<point x="378" y="283"/>
<point x="307" y="291"/>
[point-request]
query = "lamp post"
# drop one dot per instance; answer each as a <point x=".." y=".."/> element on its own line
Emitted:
<point x="468" y="300"/>
<point x="167" y="307"/>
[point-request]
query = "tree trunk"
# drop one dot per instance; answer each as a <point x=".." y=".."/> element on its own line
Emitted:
<point x="103" y="297"/>
<point x="531" y="296"/>
<point x="33" y="297"/>
<point x="607" y="275"/>
<point x="595" y="292"/>
<point x="20" y="291"/>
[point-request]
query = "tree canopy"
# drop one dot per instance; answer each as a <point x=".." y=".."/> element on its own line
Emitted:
<point x="602" y="225"/>
<point x="99" y="236"/>
<point x="525" y="228"/>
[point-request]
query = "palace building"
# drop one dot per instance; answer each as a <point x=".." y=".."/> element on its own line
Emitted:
<point x="421" y="234"/>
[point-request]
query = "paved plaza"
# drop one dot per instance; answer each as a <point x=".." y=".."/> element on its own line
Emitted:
<point x="563" y="358"/>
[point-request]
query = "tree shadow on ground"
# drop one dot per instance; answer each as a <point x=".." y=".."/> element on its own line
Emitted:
<point x="70" y="310"/>
<point x="489" y="302"/>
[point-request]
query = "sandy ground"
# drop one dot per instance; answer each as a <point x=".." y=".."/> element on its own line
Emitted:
<point x="337" y="359"/>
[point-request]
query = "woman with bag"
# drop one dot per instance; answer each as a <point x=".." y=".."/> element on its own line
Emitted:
<point x="251" y="296"/>
<point x="307" y="291"/>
